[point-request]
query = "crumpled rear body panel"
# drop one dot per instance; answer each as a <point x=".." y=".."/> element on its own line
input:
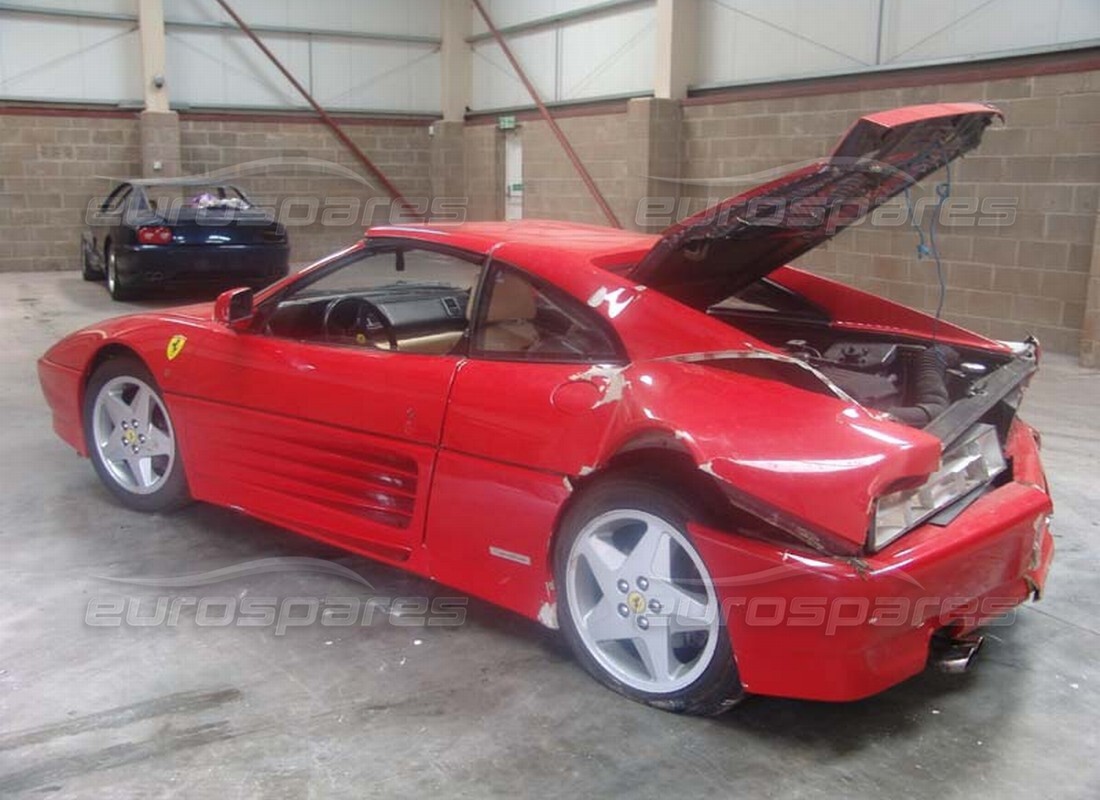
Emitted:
<point x="815" y="459"/>
<point x="833" y="629"/>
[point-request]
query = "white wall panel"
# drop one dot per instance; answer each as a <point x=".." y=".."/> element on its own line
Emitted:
<point x="600" y="56"/>
<point x="495" y="84"/>
<point x="608" y="55"/>
<point x="224" y="68"/>
<point x="58" y="58"/>
<point x="514" y="12"/>
<point x="959" y="29"/>
<point x="746" y="41"/>
<point x="349" y="74"/>
<point x="407" y="17"/>
<point x="128" y="7"/>
<point x="750" y="40"/>
<point x="47" y="58"/>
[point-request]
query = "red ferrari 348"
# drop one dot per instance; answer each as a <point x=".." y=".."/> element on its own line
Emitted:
<point x="717" y="474"/>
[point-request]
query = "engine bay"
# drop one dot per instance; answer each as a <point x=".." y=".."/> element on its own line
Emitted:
<point x="915" y="381"/>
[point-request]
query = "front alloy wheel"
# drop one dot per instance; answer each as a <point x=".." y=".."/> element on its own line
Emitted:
<point x="131" y="439"/>
<point x="638" y="604"/>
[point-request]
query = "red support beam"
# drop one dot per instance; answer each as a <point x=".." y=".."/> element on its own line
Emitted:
<point x="337" y="130"/>
<point x="593" y="189"/>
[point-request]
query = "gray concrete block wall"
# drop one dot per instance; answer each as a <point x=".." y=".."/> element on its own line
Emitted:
<point x="1090" y="326"/>
<point x="49" y="168"/>
<point x="306" y="175"/>
<point x="483" y="154"/>
<point x="447" y="171"/>
<point x="553" y="190"/>
<point x="160" y="144"/>
<point x="1005" y="280"/>
<point x="1030" y="276"/>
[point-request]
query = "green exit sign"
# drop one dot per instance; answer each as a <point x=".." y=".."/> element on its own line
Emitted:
<point x="506" y="123"/>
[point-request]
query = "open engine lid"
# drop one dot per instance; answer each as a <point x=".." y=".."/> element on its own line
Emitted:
<point x="716" y="252"/>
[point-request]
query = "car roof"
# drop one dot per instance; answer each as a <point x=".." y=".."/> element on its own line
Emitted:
<point x="602" y="246"/>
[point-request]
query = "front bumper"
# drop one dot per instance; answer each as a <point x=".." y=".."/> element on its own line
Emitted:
<point x="823" y="628"/>
<point x="63" y="388"/>
<point x="155" y="265"/>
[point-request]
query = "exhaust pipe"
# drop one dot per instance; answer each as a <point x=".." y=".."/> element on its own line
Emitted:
<point x="954" y="656"/>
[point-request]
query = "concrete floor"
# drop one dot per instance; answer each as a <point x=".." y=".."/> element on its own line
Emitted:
<point x="495" y="707"/>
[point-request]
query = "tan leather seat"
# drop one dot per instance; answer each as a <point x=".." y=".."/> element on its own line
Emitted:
<point x="509" y="321"/>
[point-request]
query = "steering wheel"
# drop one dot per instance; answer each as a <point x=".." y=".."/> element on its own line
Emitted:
<point x="353" y="317"/>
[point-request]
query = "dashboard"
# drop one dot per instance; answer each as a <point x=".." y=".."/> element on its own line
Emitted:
<point x="368" y="316"/>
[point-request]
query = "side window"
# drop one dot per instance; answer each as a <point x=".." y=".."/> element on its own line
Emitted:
<point x="367" y="271"/>
<point x="387" y="297"/>
<point x="527" y="319"/>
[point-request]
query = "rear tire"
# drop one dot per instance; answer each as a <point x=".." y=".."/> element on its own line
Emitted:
<point x="130" y="437"/>
<point x="636" y="602"/>
<point x="115" y="287"/>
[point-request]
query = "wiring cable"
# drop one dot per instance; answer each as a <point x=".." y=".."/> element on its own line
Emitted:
<point x="926" y="245"/>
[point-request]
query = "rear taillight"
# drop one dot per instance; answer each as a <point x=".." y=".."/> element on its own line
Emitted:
<point x="157" y="234"/>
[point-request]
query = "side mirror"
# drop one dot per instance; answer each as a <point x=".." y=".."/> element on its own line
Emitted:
<point x="233" y="308"/>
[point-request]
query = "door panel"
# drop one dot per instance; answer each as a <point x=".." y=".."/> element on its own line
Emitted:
<point x="528" y="414"/>
<point x="489" y="529"/>
<point x="513" y="434"/>
<point x="528" y="411"/>
<point x="530" y="396"/>
<point x="340" y="439"/>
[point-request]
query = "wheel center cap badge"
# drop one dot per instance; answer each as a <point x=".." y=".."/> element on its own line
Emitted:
<point x="635" y="602"/>
<point x="129" y="437"/>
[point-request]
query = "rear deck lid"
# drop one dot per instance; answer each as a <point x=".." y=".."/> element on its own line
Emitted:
<point x="716" y="252"/>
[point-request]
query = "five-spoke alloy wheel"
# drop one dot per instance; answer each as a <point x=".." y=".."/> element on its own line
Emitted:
<point x="637" y="603"/>
<point x="131" y="439"/>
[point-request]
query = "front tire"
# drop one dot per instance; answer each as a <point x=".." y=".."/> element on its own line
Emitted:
<point x="636" y="602"/>
<point x="130" y="437"/>
<point x="86" y="270"/>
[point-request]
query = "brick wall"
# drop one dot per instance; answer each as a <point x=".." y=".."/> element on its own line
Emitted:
<point x="484" y="166"/>
<point x="1090" y="330"/>
<point x="1004" y="280"/>
<point x="49" y="166"/>
<point x="1030" y="276"/>
<point x="48" y="169"/>
<point x="324" y="206"/>
<point x="551" y="187"/>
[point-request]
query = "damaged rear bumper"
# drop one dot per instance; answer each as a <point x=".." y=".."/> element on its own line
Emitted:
<point x="809" y="626"/>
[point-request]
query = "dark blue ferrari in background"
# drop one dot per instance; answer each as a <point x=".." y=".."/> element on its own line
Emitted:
<point x="181" y="232"/>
